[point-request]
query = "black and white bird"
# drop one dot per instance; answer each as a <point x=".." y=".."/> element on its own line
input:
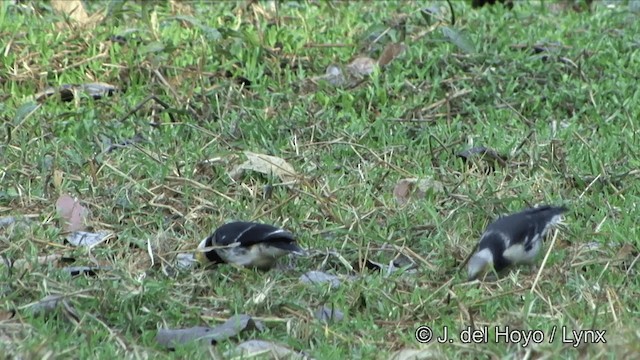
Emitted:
<point x="513" y="239"/>
<point x="247" y="244"/>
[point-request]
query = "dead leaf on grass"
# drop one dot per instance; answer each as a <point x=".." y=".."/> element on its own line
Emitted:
<point x="75" y="10"/>
<point x="74" y="214"/>
<point x="319" y="277"/>
<point x="362" y="66"/>
<point x="268" y="165"/>
<point x="207" y="335"/>
<point x="390" y="53"/>
<point x="260" y="349"/>
<point x="88" y="239"/>
<point x="413" y="188"/>
<point x="7" y="315"/>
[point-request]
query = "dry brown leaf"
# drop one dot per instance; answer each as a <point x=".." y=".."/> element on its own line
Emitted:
<point x="58" y="176"/>
<point x="391" y="52"/>
<point x="407" y="189"/>
<point x="266" y="164"/>
<point x="74" y="214"/>
<point x="7" y="314"/>
<point x="362" y="66"/>
<point x="74" y="9"/>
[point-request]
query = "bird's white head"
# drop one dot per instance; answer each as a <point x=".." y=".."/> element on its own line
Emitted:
<point x="480" y="263"/>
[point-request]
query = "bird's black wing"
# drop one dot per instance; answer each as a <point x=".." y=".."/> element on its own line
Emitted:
<point x="250" y="233"/>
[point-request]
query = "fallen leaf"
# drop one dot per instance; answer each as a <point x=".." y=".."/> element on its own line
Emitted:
<point x="88" y="239"/>
<point x="407" y="189"/>
<point x="7" y="315"/>
<point x="260" y="349"/>
<point x="75" y="10"/>
<point x="266" y="164"/>
<point x="391" y="52"/>
<point x="327" y="314"/>
<point x="72" y="212"/>
<point x="231" y="328"/>
<point x="319" y="277"/>
<point x="627" y="250"/>
<point x="362" y="66"/>
<point x="72" y="8"/>
<point x="57" y="178"/>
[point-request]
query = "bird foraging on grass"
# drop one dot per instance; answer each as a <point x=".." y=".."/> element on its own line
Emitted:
<point x="247" y="244"/>
<point x="513" y="239"/>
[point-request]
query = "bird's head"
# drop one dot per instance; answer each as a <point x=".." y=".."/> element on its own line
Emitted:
<point x="205" y="254"/>
<point x="479" y="264"/>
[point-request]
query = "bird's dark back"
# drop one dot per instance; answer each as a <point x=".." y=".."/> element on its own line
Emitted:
<point x="249" y="233"/>
<point x="521" y="223"/>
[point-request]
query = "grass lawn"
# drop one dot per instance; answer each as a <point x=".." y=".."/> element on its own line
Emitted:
<point x="552" y="94"/>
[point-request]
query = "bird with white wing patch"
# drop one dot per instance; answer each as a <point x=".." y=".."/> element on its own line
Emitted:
<point x="513" y="239"/>
<point x="247" y="244"/>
